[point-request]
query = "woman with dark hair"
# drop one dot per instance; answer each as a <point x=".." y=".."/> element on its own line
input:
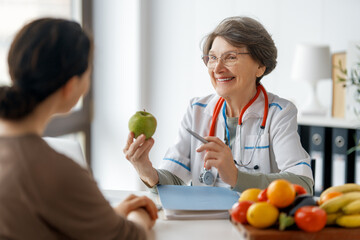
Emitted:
<point x="44" y="194"/>
<point x="251" y="134"/>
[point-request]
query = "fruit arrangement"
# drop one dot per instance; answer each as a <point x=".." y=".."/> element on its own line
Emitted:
<point x="283" y="204"/>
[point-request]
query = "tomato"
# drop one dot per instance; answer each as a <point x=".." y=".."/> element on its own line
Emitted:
<point x="299" y="189"/>
<point x="239" y="210"/>
<point x="310" y="218"/>
<point x="262" y="197"/>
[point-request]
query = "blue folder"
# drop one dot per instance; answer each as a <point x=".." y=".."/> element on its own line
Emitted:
<point x="196" y="198"/>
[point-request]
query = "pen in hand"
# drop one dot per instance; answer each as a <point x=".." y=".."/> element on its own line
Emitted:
<point x="197" y="136"/>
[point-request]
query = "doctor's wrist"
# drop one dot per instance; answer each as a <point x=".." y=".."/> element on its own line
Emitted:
<point x="151" y="179"/>
<point x="234" y="179"/>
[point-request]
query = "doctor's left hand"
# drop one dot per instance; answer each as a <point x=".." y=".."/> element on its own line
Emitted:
<point x="219" y="155"/>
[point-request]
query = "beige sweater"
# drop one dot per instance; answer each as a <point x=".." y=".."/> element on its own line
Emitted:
<point x="45" y="195"/>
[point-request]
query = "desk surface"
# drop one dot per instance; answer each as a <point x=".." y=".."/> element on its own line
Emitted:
<point x="180" y="229"/>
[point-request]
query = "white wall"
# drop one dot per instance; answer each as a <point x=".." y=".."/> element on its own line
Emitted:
<point x="116" y="94"/>
<point x="170" y="70"/>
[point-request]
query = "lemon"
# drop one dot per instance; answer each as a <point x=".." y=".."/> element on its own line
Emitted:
<point x="262" y="215"/>
<point x="250" y="194"/>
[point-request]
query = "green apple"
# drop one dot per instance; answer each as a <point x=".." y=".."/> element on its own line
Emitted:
<point x="142" y="123"/>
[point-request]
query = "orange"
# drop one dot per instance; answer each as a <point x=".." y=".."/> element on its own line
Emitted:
<point x="281" y="193"/>
<point x="250" y="194"/>
<point x="329" y="196"/>
<point x="262" y="215"/>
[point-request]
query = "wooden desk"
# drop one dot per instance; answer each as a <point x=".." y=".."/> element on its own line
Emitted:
<point x="328" y="233"/>
<point x="180" y="229"/>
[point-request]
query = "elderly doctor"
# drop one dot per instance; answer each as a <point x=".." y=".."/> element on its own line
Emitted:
<point x="251" y="134"/>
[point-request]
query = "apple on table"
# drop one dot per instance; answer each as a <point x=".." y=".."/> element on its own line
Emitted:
<point x="142" y="122"/>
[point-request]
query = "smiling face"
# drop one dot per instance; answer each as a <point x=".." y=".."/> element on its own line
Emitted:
<point x="238" y="80"/>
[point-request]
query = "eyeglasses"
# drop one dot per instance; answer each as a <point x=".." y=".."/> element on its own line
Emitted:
<point x="229" y="59"/>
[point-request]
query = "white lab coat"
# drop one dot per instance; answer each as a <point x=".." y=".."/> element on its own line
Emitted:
<point x="279" y="148"/>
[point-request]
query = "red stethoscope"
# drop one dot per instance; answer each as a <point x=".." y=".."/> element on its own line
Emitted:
<point x="220" y="102"/>
<point x="206" y="176"/>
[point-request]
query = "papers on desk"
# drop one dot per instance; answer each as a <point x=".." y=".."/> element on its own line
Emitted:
<point x="196" y="202"/>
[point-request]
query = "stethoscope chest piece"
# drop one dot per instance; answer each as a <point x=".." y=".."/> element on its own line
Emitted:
<point x="206" y="177"/>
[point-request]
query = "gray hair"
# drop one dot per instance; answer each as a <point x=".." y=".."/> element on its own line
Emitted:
<point x="240" y="31"/>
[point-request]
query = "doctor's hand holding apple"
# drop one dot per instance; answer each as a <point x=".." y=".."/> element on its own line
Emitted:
<point x="142" y="126"/>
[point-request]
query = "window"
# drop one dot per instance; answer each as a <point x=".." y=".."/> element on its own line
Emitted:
<point x="13" y="15"/>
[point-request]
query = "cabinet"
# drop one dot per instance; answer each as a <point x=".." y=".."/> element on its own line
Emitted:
<point x="327" y="140"/>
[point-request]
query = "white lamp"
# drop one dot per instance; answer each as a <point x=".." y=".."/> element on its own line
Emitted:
<point x="311" y="64"/>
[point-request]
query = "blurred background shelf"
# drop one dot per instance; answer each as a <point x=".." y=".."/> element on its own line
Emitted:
<point x="328" y="140"/>
<point x="328" y="122"/>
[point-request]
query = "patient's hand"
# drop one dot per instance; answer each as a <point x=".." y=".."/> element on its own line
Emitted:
<point x="141" y="210"/>
<point x="141" y="217"/>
